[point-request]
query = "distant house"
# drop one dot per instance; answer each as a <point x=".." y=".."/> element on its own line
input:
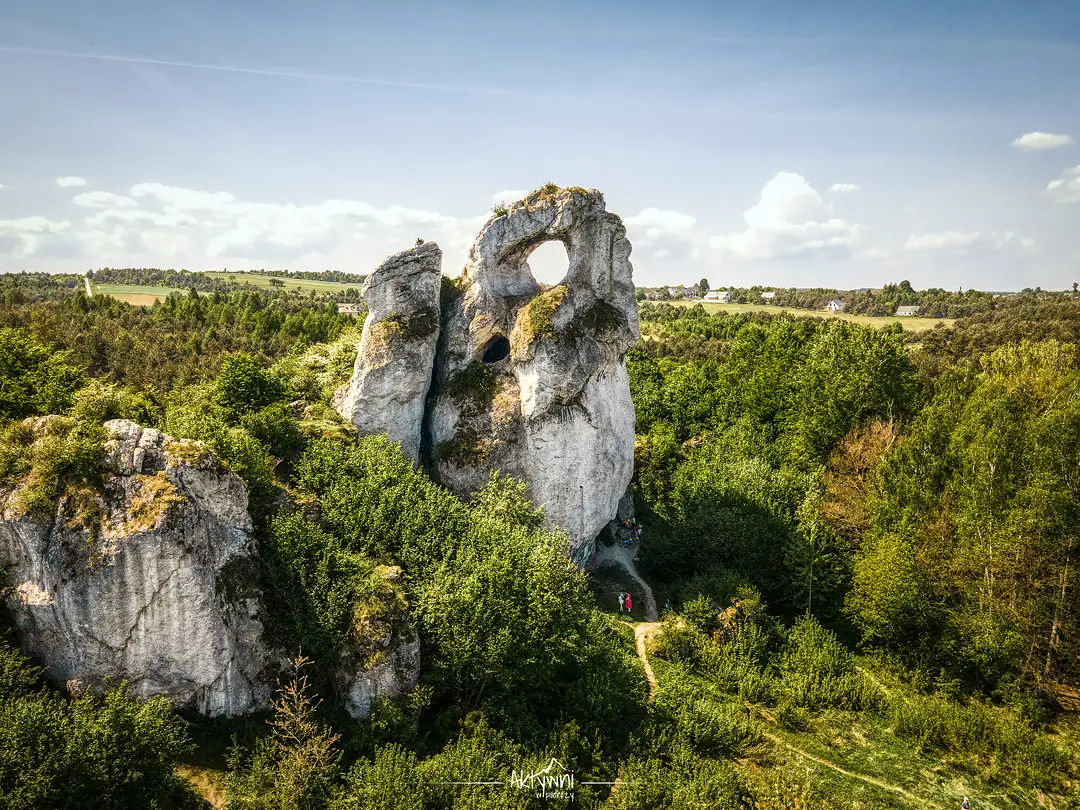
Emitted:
<point x="723" y="296"/>
<point x="348" y="309"/>
<point x="908" y="312"/>
<point x="835" y="305"/>
<point x="768" y="296"/>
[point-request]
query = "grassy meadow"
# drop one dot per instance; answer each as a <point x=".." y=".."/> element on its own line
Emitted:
<point x="259" y="280"/>
<point x="134" y="294"/>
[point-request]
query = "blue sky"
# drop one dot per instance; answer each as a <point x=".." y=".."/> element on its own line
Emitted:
<point x="789" y="143"/>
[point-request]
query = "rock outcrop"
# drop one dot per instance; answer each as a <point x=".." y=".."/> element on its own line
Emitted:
<point x="397" y="349"/>
<point x="383" y="662"/>
<point x="532" y="381"/>
<point x="150" y="579"/>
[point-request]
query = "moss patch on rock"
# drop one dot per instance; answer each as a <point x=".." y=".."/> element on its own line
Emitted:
<point x="474" y="384"/>
<point x="185" y="451"/>
<point x="418" y="325"/>
<point x="536" y="319"/>
<point x="154" y="495"/>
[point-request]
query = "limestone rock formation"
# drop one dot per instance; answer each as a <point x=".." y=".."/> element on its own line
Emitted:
<point x="533" y="381"/>
<point x="383" y="659"/>
<point x="149" y="580"/>
<point x="397" y="349"/>
<point x="392" y="676"/>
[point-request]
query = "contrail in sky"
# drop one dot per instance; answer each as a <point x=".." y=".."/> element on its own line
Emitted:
<point x="287" y="74"/>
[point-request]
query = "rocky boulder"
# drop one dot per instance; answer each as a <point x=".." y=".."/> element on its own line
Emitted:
<point x="397" y="349"/>
<point x="532" y="381"/>
<point x="148" y="579"/>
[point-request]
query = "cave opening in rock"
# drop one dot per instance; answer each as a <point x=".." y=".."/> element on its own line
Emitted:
<point x="498" y="348"/>
<point x="549" y="262"/>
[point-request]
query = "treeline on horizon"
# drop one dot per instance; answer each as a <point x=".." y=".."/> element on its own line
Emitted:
<point x="863" y="534"/>
<point x="932" y="302"/>
<point x="153" y="276"/>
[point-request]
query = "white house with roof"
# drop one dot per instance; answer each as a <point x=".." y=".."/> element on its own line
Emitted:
<point x="723" y="296"/>
<point x="348" y="309"/>
<point x="768" y="296"/>
<point x="908" y="312"/>
<point x="835" y="305"/>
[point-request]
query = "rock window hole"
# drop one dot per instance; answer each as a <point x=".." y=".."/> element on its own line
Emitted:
<point x="549" y="262"/>
<point x="498" y="348"/>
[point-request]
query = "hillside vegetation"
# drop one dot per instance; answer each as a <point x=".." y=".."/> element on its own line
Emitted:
<point x="865" y="553"/>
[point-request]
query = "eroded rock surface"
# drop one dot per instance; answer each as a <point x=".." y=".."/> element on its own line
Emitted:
<point x="382" y="660"/>
<point x="397" y="349"/>
<point x="533" y="381"/>
<point x="150" y="580"/>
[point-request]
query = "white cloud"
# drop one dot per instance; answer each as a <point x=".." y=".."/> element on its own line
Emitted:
<point x="103" y="199"/>
<point x="158" y="219"/>
<point x="657" y="221"/>
<point x="959" y="242"/>
<point x="1066" y="189"/>
<point x="876" y="254"/>
<point x="661" y="234"/>
<point x="32" y="236"/>
<point x="509" y="196"/>
<point x="1" y="186"/>
<point x="152" y="217"/>
<point x="843" y="187"/>
<point x="1037" y="141"/>
<point x="176" y="199"/>
<point x="70" y="182"/>
<point x="791" y="219"/>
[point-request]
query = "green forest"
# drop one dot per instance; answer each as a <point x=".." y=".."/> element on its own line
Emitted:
<point x="865" y="543"/>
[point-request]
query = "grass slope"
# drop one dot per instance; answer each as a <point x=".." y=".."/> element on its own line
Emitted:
<point x="134" y="293"/>
<point x="259" y="280"/>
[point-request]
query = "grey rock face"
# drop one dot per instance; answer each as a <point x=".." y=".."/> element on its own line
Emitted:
<point x="533" y="382"/>
<point x="152" y="581"/>
<point x="395" y="673"/>
<point x="382" y="659"/>
<point x="397" y="349"/>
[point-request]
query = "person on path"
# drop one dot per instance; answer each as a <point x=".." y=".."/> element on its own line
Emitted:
<point x="622" y="601"/>
<point x="629" y="603"/>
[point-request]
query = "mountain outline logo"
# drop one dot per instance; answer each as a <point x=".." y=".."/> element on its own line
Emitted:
<point x="555" y="781"/>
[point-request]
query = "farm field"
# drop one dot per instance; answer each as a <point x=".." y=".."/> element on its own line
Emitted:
<point x="910" y="324"/>
<point x="257" y="280"/>
<point x="134" y="294"/>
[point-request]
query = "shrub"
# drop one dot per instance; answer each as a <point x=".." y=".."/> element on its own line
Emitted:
<point x="295" y="766"/>
<point x="679" y="641"/>
<point x="389" y="781"/>
<point x="244" y="385"/>
<point x="63" y="452"/>
<point x="110" y="751"/>
<point x="996" y="737"/>
<point x="34" y="378"/>
<point x="314" y="587"/>
<point x="99" y="402"/>
<point x="816" y="671"/>
<point x="474" y="384"/>
<point x="700" y="613"/>
<point x="275" y="427"/>
<point x="709" y="727"/>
